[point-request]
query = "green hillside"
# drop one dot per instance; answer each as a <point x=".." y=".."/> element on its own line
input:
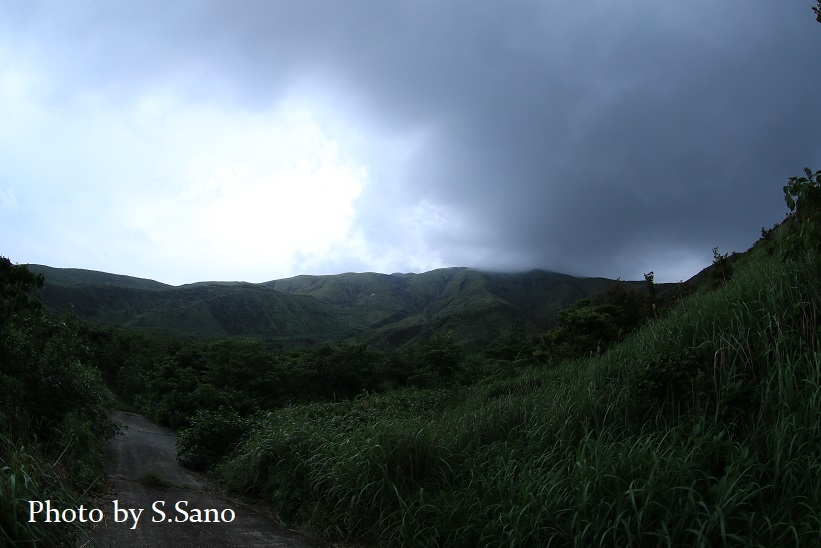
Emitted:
<point x="475" y="306"/>
<point x="685" y="417"/>
<point x="701" y="428"/>
<point x="83" y="277"/>
<point x="204" y="309"/>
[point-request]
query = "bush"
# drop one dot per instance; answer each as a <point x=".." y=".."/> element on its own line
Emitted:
<point x="803" y="197"/>
<point x="666" y="382"/>
<point x="212" y="435"/>
<point x="53" y="412"/>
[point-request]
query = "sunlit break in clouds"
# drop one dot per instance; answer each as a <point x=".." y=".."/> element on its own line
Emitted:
<point x="270" y="192"/>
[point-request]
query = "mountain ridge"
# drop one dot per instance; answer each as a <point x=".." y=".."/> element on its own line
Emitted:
<point x="387" y="309"/>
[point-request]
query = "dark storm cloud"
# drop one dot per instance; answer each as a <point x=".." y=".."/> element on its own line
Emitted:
<point x="642" y="138"/>
<point x="592" y="138"/>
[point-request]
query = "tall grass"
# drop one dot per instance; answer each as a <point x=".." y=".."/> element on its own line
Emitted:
<point x="702" y="429"/>
<point x="25" y="476"/>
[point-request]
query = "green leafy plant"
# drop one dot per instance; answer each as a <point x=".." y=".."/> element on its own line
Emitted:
<point x="665" y="380"/>
<point x="803" y="197"/>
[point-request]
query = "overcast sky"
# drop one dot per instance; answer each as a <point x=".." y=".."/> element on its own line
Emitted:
<point x="254" y="140"/>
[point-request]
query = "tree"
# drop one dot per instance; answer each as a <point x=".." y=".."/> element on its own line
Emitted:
<point x="583" y="329"/>
<point x="722" y="269"/>
<point x="513" y="344"/>
<point x="18" y="289"/>
<point x="651" y="294"/>
<point x="440" y="355"/>
<point x="628" y="305"/>
<point x="54" y="412"/>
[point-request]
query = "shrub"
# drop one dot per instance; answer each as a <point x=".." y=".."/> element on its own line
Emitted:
<point x="722" y="270"/>
<point x="53" y="412"/>
<point x="212" y="435"/>
<point x="803" y="197"/>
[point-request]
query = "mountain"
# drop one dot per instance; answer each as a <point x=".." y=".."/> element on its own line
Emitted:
<point x="208" y="309"/>
<point x="395" y="309"/>
<point x="81" y="277"/>
<point x="476" y="306"/>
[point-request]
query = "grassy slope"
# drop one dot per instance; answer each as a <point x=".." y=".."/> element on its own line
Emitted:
<point x="393" y="309"/>
<point x="476" y="306"/>
<point x="700" y="429"/>
<point x="79" y="276"/>
<point x="205" y="309"/>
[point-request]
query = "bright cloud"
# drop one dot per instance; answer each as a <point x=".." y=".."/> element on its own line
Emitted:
<point x="200" y="188"/>
<point x="252" y="194"/>
<point x="8" y="201"/>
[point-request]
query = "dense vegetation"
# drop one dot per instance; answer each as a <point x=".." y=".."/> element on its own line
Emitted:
<point x="641" y="416"/>
<point x="308" y="311"/>
<point x="701" y="428"/>
<point x="686" y="417"/>
<point x="53" y="413"/>
<point x="214" y="391"/>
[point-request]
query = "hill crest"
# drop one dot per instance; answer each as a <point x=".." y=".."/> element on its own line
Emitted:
<point x="392" y="309"/>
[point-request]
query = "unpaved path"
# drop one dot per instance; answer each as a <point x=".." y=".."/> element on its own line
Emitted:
<point x="144" y="475"/>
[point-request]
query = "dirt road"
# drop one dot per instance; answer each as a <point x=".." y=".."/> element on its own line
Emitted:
<point x="155" y="502"/>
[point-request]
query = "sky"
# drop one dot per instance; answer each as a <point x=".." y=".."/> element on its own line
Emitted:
<point x="256" y="140"/>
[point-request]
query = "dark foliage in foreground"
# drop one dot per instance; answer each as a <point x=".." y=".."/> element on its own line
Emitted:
<point x="701" y="428"/>
<point x="53" y="412"/>
<point x="638" y="419"/>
